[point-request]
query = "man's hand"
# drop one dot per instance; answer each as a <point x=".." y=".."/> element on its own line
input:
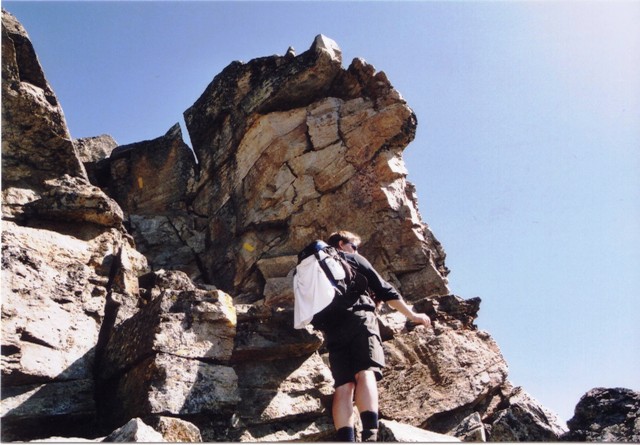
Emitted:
<point x="407" y="311"/>
<point x="422" y="319"/>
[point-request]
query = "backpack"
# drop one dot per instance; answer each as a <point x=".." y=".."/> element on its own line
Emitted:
<point x="320" y="276"/>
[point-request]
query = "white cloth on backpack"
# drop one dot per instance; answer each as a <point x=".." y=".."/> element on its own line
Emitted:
<point x="312" y="290"/>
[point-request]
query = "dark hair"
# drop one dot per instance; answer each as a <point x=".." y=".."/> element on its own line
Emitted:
<point x="344" y="236"/>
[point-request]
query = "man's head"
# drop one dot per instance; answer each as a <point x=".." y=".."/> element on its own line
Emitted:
<point x="345" y="241"/>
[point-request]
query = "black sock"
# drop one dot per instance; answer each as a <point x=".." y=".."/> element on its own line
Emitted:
<point x="369" y="426"/>
<point x="369" y="420"/>
<point x="346" y="434"/>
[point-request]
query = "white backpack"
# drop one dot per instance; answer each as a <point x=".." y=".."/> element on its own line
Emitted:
<point x="318" y="277"/>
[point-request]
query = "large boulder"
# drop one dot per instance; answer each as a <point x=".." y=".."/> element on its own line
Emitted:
<point x="606" y="415"/>
<point x="441" y="371"/>
<point x="172" y="357"/>
<point x="176" y="318"/>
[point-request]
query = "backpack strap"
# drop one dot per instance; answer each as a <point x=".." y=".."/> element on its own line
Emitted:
<point x="311" y="249"/>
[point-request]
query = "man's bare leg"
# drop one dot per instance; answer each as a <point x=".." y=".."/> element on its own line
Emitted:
<point x="366" y="395"/>
<point x="342" y="411"/>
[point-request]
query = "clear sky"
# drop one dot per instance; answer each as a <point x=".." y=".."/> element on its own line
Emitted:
<point x="526" y="159"/>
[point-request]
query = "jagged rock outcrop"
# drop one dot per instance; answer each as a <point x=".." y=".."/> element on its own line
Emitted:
<point x="66" y="260"/>
<point x="519" y="417"/>
<point x="606" y="415"/>
<point x="285" y="145"/>
<point x="152" y="177"/>
<point x="439" y="372"/>
<point x="42" y="176"/>
<point x="139" y="284"/>
<point x="36" y="146"/>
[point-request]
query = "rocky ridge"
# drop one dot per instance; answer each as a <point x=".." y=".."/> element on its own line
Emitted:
<point x="150" y="285"/>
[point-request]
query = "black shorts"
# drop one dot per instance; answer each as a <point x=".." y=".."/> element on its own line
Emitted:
<point x="354" y="348"/>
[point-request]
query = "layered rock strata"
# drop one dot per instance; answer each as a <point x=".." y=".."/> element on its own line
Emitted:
<point x="285" y="145"/>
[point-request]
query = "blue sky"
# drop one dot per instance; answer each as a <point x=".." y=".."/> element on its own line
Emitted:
<point x="526" y="159"/>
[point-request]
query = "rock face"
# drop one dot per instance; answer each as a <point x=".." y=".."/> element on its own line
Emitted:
<point x="66" y="259"/>
<point x="285" y="145"/>
<point x="142" y="288"/>
<point x="606" y="415"/>
<point x="31" y="118"/>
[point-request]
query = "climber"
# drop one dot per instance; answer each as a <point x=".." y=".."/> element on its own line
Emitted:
<point x="356" y="357"/>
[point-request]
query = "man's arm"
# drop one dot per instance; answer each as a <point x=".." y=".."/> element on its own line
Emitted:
<point x="386" y="291"/>
<point x="401" y="306"/>
<point x="382" y="288"/>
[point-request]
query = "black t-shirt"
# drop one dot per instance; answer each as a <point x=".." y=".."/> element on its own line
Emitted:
<point x="382" y="289"/>
<point x="357" y="305"/>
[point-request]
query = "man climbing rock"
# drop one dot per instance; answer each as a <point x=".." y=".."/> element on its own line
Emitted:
<point x="353" y="339"/>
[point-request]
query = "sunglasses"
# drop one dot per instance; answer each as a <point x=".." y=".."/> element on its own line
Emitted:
<point x="355" y="246"/>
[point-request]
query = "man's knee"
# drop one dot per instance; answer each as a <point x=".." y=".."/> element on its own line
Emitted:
<point x="345" y="391"/>
<point x="366" y="375"/>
